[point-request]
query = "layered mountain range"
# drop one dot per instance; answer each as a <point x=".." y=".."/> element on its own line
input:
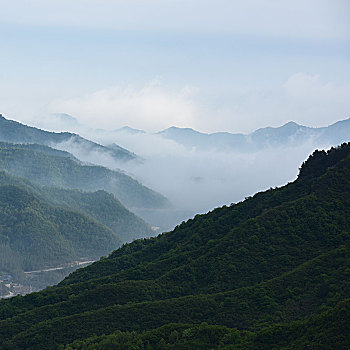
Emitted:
<point x="15" y="132"/>
<point x="56" y="209"/>
<point x="287" y="135"/>
<point x="45" y="227"/>
<point x="271" y="272"/>
<point x="50" y="167"/>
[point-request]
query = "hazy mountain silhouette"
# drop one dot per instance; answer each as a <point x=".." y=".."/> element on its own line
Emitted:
<point x="15" y="132"/>
<point x="287" y="135"/>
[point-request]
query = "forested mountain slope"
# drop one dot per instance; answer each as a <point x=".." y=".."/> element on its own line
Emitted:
<point x="270" y="272"/>
<point x="100" y="205"/>
<point x="35" y="234"/>
<point x="48" y="167"/>
<point x="103" y="207"/>
<point x="328" y="330"/>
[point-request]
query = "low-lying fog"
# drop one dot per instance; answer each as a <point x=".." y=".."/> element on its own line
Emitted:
<point x="197" y="181"/>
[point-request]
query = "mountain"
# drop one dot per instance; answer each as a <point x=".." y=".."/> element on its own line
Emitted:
<point x="337" y="132"/>
<point x="104" y="208"/>
<point x="290" y="134"/>
<point x="285" y="134"/>
<point x="186" y="136"/>
<point x="98" y="209"/>
<point x="100" y="205"/>
<point x="329" y="330"/>
<point x="15" y="132"/>
<point x="129" y="130"/>
<point x="35" y="234"/>
<point x="48" y="167"/>
<point x="269" y="272"/>
<point x="66" y="119"/>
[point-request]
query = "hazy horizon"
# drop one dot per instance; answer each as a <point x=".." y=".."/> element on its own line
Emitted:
<point x="195" y="179"/>
<point x="212" y="66"/>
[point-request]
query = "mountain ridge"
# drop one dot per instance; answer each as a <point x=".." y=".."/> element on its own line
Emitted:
<point x="49" y="167"/>
<point x="15" y="132"/>
<point x="38" y="234"/>
<point x="100" y="205"/>
<point x="288" y="134"/>
<point x="281" y="256"/>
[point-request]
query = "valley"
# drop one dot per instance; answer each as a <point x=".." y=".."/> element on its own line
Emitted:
<point x="174" y="175"/>
<point x="33" y="281"/>
<point x="239" y="273"/>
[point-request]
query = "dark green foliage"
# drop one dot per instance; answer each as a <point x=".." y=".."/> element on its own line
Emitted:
<point x="325" y="331"/>
<point x="169" y="337"/>
<point x="276" y="267"/>
<point x="320" y="161"/>
<point x="103" y="207"/>
<point x="35" y="234"/>
<point x="100" y="206"/>
<point x="328" y="330"/>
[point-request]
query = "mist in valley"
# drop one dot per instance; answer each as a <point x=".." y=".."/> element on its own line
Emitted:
<point x="193" y="179"/>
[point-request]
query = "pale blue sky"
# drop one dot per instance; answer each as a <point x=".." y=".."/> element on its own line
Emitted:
<point x="210" y="65"/>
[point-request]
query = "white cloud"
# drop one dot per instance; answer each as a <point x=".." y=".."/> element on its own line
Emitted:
<point x="304" y="98"/>
<point x="311" y="88"/>
<point x="152" y="107"/>
<point x="315" y="101"/>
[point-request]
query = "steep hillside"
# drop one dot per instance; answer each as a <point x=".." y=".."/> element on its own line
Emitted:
<point x="100" y="205"/>
<point x="270" y="272"/>
<point x="34" y="234"/>
<point x="329" y="330"/>
<point x="103" y="207"/>
<point x="48" y="167"/>
<point x="15" y="132"/>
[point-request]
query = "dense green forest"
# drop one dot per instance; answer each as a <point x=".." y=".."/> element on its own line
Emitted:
<point x="103" y="207"/>
<point x="327" y="330"/>
<point x="100" y="205"/>
<point x="45" y="166"/>
<point x="34" y="234"/>
<point x="271" y="272"/>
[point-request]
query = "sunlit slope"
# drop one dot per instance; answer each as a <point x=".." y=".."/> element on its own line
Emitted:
<point x="281" y="256"/>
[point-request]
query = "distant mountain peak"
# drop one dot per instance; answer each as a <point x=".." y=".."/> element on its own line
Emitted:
<point x="66" y="118"/>
<point x="291" y="124"/>
<point x="178" y="130"/>
<point x="287" y="126"/>
<point x="130" y="130"/>
<point x="290" y="133"/>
